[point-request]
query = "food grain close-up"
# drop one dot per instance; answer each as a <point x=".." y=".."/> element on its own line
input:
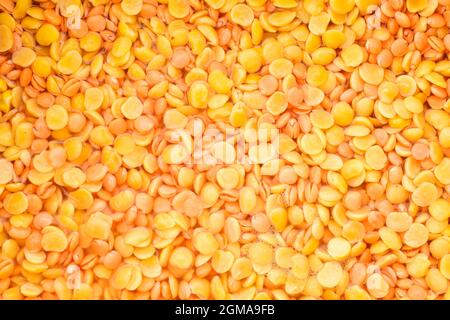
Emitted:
<point x="224" y="149"/>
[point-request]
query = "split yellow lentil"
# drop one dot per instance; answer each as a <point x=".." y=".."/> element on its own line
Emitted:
<point x="324" y="171"/>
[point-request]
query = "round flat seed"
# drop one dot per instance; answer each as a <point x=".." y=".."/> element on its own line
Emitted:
<point x="6" y="171"/>
<point x="132" y="7"/>
<point x="330" y="274"/>
<point x="261" y="253"/>
<point x="339" y="248"/>
<point x="74" y="177"/>
<point x="16" y="203"/>
<point x="416" y="236"/>
<point x="132" y="108"/>
<point x="56" y="117"/>
<point x="242" y="14"/>
<point x="371" y="73"/>
<point x="425" y="194"/>
<point x="6" y="38"/>
<point x="399" y="221"/>
<point x="227" y="178"/>
<point x="376" y="158"/>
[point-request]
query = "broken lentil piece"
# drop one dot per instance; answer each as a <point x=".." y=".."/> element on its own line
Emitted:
<point x="342" y="191"/>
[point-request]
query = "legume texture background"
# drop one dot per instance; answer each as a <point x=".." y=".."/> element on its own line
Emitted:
<point x="98" y="200"/>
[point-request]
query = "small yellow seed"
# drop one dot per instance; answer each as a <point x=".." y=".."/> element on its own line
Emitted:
<point x="416" y="236"/>
<point x="16" y="203"/>
<point x="330" y="274"/>
<point x="261" y="253"/>
<point x="6" y="38"/>
<point x="47" y="34"/>
<point x="339" y="248"/>
<point x="24" y="57"/>
<point x="205" y="243"/>
<point x="132" y="108"/>
<point x="227" y="178"/>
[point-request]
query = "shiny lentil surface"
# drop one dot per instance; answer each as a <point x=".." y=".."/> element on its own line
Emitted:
<point x="97" y="200"/>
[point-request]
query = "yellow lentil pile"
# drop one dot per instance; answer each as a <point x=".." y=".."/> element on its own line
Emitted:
<point x="97" y="200"/>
